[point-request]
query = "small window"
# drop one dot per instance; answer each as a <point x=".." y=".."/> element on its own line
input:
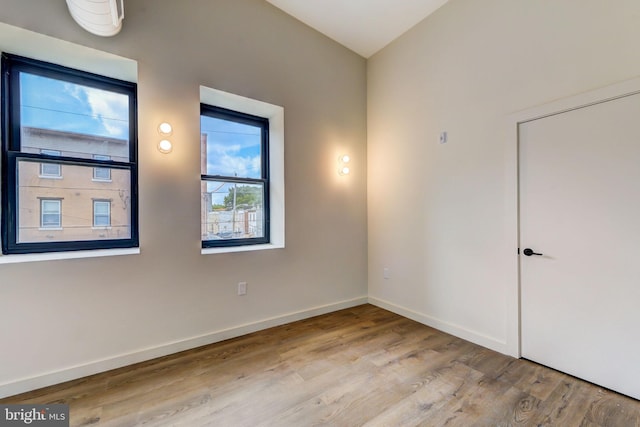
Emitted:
<point x="234" y="178"/>
<point x="50" y="213"/>
<point x="101" y="213"/>
<point x="50" y="170"/>
<point x="59" y="118"/>
<point x="101" y="174"/>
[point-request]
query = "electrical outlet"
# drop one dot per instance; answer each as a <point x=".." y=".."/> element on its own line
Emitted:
<point x="386" y="273"/>
<point x="242" y="288"/>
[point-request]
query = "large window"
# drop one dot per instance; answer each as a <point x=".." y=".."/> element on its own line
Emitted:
<point x="54" y="119"/>
<point x="235" y="178"/>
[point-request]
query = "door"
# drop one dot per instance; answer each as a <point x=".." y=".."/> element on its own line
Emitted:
<point x="579" y="184"/>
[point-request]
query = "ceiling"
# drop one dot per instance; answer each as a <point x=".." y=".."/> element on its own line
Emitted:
<point x="364" y="26"/>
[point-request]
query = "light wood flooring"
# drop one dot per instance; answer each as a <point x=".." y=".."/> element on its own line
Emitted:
<point x="362" y="366"/>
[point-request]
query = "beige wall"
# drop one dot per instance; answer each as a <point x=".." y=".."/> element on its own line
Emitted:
<point x="442" y="218"/>
<point x="69" y="317"/>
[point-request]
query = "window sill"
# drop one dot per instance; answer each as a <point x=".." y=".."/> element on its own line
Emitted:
<point x="101" y="180"/>
<point x="50" y="176"/>
<point x="53" y="256"/>
<point x="50" y="229"/>
<point x="246" y="248"/>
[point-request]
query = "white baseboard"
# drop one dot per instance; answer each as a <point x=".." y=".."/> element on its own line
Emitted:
<point x="71" y="373"/>
<point x="450" y="328"/>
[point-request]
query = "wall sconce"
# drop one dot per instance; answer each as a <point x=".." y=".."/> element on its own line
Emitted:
<point x="343" y="162"/>
<point x="165" y="146"/>
<point x="165" y="129"/>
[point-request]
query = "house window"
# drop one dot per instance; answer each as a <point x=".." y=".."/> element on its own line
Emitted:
<point x="234" y="177"/>
<point x="50" y="213"/>
<point x="101" y="213"/>
<point x="101" y="174"/>
<point x="91" y="121"/>
<point x="50" y="170"/>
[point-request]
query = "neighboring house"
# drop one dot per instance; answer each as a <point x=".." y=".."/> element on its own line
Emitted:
<point x="99" y="198"/>
<point x="238" y="223"/>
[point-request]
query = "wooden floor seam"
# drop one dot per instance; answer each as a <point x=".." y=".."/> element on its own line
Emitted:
<point x="362" y="366"/>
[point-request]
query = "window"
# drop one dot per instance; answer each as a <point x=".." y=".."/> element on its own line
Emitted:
<point x="101" y="174"/>
<point x="50" y="213"/>
<point x="90" y="120"/>
<point x="101" y="213"/>
<point x="235" y="177"/>
<point x="50" y="170"/>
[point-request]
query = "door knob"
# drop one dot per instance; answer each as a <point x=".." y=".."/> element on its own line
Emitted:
<point x="529" y="252"/>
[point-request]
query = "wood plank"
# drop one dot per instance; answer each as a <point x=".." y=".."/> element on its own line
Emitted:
<point x="359" y="366"/>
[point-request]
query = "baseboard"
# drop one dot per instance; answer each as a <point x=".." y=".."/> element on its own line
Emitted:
<point x="32" y="383"/>
<point x="450" y="328"/>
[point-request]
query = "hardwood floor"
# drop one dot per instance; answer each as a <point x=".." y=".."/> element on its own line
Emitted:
<point x="360" y="366"/>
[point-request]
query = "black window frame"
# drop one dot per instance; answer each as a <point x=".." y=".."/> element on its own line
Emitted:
<point x="11" y="153"/>
<point x="263" y="123"/>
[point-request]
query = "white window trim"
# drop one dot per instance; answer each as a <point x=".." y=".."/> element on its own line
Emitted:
<point x="108" y="203"/>
<point x="275" y="114"/>
<point x="53" y="256"/>
<point x="42" y="214"/>
<point x="45" y="48"/>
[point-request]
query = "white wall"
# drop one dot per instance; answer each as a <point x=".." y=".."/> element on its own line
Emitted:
<point x="442" y="218"/>
<point x="67" y="318"/>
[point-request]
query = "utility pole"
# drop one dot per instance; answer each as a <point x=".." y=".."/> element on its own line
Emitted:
<point x="235" y="190"/>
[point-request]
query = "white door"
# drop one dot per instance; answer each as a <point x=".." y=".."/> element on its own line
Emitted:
<point x="579" y="184"/>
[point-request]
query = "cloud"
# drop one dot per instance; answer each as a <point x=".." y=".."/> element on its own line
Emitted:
<point x="222" y="161"/>
<point x="109" y="109"/>
<point x="233" y="148"/>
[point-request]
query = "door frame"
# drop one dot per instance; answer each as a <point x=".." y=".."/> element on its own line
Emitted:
<point x="513" y="122"/>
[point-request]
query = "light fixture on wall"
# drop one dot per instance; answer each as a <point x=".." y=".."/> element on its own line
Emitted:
<point x="99" y="17"/>
<point x="165" y="146"/>
<point x="165" y="129"/>
<point x="343" y="161"/>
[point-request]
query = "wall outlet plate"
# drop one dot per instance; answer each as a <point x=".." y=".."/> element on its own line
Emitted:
<point x="242" y="288"/>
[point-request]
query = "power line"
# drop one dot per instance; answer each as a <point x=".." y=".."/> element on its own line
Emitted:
<point x="95" y="116"/>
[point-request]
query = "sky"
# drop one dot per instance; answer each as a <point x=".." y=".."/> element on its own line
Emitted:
<point x="233" y="149"/>
<point x="58" y="105"/>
